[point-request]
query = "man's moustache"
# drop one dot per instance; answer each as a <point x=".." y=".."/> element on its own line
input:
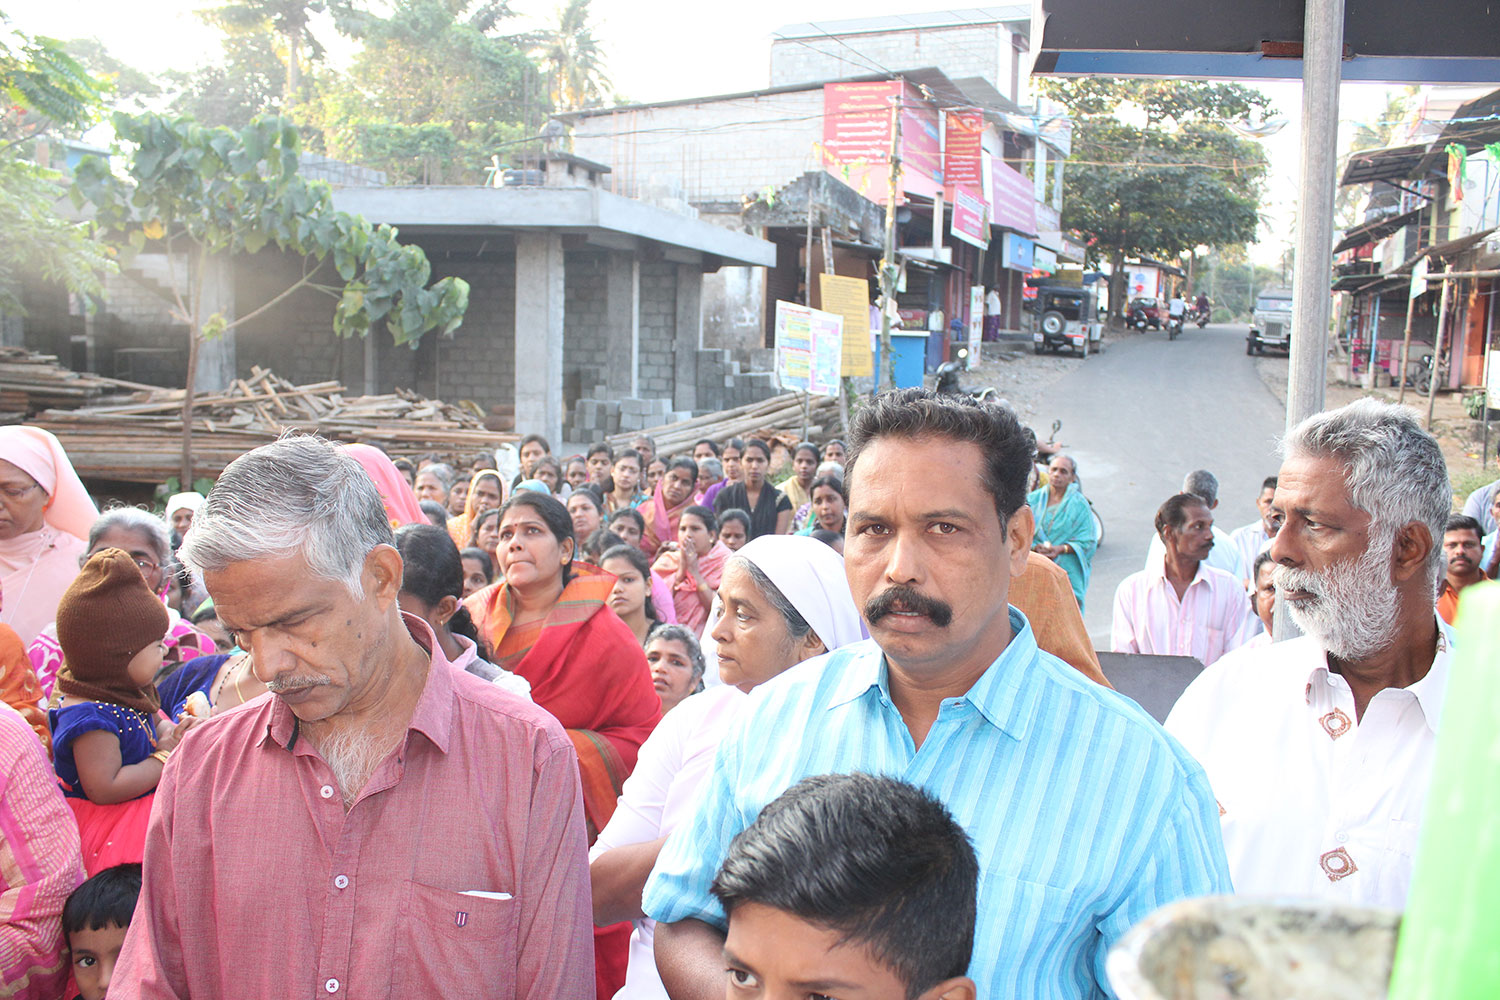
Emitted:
<point x="907" y="599"/>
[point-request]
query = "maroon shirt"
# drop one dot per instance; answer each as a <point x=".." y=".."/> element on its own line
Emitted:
<point x="258" y="884"/>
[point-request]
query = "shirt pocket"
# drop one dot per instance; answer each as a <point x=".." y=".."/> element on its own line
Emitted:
<point x="454" y="946"/>
<point x="1027" y="929"/>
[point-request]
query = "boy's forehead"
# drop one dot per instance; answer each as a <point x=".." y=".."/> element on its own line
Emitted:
<point x="790" y="955"/>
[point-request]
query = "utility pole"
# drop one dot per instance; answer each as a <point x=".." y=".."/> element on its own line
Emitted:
<point x="1322" y="68"/>
<point x="888" y="269"/>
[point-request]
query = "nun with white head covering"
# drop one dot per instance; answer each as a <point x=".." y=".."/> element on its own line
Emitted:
<point x="45" y="516"/>
<point x="782" y="599"/>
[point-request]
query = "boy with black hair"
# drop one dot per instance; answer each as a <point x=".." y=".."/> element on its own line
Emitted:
<point x="854" y="886"/>
<point x="95" y="919"/>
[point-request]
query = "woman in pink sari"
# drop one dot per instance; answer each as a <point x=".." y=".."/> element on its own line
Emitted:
<point x="693" y="566"/>
<point x="45" y="514"/>
<point x="400" y="502"/>
<point x="672" y="496"/>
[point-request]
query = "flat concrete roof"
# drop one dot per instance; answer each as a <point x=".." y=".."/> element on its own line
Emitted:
<point x="572" y="210"/>
<point x="965" y="17"/>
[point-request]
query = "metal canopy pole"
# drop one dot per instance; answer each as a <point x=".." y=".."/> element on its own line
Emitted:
<point x="1322" y="52"/>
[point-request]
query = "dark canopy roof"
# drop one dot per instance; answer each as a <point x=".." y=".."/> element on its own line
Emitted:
<point x="1393" y="164"/>
<point x="1372" y="232"/>
<point x="1475" y="125"/>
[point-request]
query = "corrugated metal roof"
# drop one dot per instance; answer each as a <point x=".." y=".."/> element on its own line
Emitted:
<point x="907" y="22"/>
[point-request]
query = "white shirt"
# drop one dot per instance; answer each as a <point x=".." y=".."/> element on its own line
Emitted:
<point x="1176" y="307"/>
<point x="1225" y="555"/>
<point x="992" y="303"/>
<point x="673" y="765"/>
<point x="1313" y="804"/>
<point x="1248" y="542"/>
<point x="1212" y="617"/>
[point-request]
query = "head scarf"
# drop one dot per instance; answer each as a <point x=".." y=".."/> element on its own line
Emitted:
<point x="535" y="485"/>
<point x="811" y="576"/>
<point x="183" y="501"/>
<point x="400" y="502"/>
<point x="461" y="528"/>
<point x="40" y="455"/>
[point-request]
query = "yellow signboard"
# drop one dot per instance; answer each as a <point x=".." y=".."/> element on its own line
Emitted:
<point x="850" y="298"/>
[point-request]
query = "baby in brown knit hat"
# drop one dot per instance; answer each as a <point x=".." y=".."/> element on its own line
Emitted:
<point x="110" y="739"/>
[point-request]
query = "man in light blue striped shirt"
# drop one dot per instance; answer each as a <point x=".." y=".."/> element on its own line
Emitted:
<point x="1084" y="814"/>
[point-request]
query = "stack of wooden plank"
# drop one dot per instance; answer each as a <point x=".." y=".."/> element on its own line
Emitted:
<point x="140" y="441"/>
<point x="780" y="417"/>
<point x="31" y="382"/>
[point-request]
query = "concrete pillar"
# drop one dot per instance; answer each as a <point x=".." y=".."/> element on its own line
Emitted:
<point x="539" y="334"/>
<point x="622" y="323"/>
<point x="688" y="337"/>
<point x="216" y="357"/>
<point x="1039" y="181"/>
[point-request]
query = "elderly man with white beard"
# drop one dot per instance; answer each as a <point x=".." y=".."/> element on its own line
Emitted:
<point x="1319" y="748"/>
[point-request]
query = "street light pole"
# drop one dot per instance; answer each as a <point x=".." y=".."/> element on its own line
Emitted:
<point x="1312" y="303"/>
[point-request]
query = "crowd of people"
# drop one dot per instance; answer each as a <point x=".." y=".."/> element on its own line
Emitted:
<point x="622" y="724"/>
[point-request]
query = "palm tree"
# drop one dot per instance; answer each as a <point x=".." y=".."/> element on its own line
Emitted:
<point x="573" y="58"/>
<point x="1377" y="134"/>
<point x="286" y="19"/>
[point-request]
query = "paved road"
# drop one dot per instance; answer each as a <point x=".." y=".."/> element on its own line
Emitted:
<point x="1142" y="415"/>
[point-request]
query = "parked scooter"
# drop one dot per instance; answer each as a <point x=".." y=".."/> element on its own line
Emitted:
<point x="949" y="384"/>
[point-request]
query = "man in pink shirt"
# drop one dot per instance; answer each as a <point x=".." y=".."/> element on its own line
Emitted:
<point x="382" y="824"/>
<point x="1179" y="605"/>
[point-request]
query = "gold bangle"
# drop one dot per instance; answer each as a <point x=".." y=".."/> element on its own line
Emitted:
<point x="162" y="756"/>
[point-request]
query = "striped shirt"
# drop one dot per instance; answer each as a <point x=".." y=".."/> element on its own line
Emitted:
<point x="1084" y="814"/>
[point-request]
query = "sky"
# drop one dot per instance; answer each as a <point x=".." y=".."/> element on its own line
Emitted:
<point x="657" y="50"/>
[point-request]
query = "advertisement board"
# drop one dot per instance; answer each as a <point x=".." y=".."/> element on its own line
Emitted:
<point x="850" y="298"/>
<point x="976" y="324"/>
<point x="1016" y="253"/>
<point x="1013" y="199"/>
<point x="962" y="132"/>
<point x="857" y="138"/>
<point x="809" y="348"/>
<point x="969" y="222"/>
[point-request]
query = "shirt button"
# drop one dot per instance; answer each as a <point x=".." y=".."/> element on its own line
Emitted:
<point x="341" y="881"/>
<point x="332" y="986"/>
<point x="1341" y="837"/>
<point x="327" y="792"/>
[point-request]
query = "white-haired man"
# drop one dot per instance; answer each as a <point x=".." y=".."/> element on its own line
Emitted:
<point x="1319" y="748"/>
<point x="385" y="824"/>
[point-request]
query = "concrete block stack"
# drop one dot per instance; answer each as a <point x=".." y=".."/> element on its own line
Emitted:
<point x="594" y="419"/>
<point x="724" y="384"/>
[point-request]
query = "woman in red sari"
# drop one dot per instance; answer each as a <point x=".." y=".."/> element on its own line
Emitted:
<point x="693" y="566"/>
<point x="547" y="621"/>
<point x="672" y="496"/>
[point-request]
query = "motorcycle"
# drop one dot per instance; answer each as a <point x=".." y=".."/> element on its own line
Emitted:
<point x="1174" y="327"/>
<point x="1200" y="317"/>
<point x="949" y="383"/>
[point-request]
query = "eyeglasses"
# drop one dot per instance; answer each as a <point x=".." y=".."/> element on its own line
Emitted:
<point x="17" y="492"/>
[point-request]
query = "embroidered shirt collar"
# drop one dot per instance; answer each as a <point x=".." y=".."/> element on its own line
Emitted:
<point x="1429" y="691"/>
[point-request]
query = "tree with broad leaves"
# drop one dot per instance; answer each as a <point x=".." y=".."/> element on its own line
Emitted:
<point x="572" y="56"/>
<point x="44" y="91"/>
<point x="1156" y="170"/>
<point x="201" y="192"/>
<point x="287" y="20"/>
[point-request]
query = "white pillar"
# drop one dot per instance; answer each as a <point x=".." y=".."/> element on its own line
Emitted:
<point x="539" y="334"/>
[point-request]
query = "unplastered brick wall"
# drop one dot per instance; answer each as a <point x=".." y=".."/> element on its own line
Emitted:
<point x="658" y="329"/>
<point x="479" y="363"/>
<point x="584" y="336"/>
<point x="959" y="51"/>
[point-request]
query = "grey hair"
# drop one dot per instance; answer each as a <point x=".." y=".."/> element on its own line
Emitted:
<point x="443" y="471"/>
<point x="298" y="494"/>
<point x="1202" y="484"/>
<point x="681" y="633"/>
<point x="1394" y="470"/>
<point x="134" y="519"/>
<point x="796" y="625"/>
<point x="712" y="466"/>
<point x="830" y="469"/>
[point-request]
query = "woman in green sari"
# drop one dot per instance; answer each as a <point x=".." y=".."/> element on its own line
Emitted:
<point x="1065" y="523"/>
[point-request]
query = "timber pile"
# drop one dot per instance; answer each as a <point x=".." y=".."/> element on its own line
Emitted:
<point x="140" y="441"/>
<point x="32" y="382"/>
<point x="779" y="417"/>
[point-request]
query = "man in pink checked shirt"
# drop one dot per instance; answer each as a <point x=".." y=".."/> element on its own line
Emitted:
<point x="380" y="825"/>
